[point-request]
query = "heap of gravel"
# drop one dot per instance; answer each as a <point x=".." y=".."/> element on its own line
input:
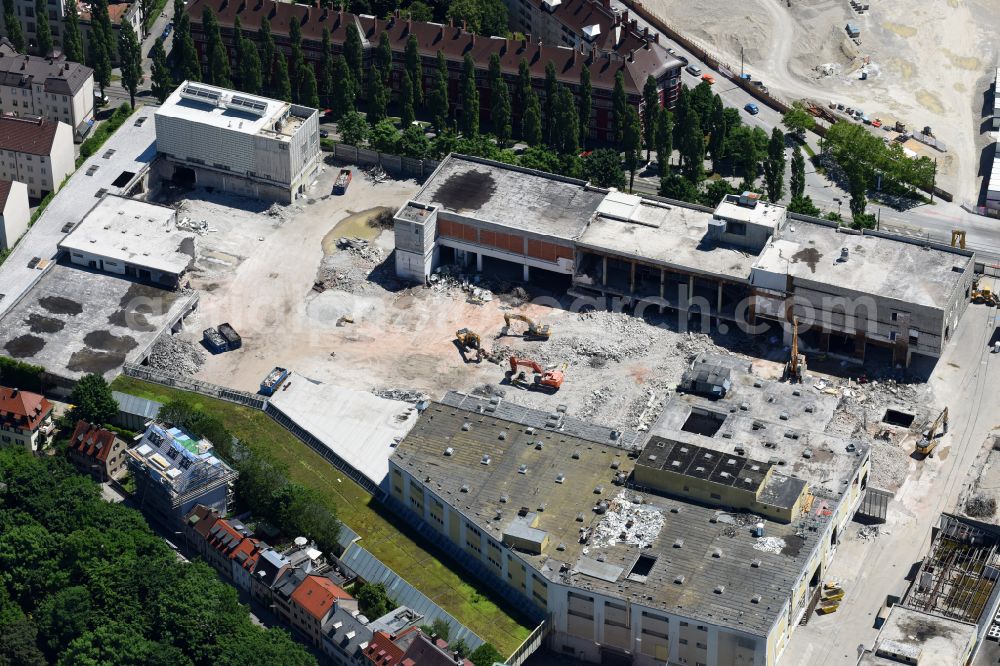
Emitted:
<point x="176" y="356"/>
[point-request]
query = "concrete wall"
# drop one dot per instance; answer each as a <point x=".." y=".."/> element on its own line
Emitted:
<point x="15" y="215"/>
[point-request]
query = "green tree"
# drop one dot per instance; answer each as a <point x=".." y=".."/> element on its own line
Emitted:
<point x="18" y="643"/>
<point x="251" y="74"/>
<point x="438" y="96"/>
<point x="353" y="128"/>
<point x="267" y="49"/>
<point x="43" y="34"/>
<point x="185" y="54"/>
<point x="308" y="91"/>
<point x="99" y="55"/>
<point x="415" y="69"/>
<point x="418" y="11"/>
<point x="414" y="143"/>
<point x="384" y="137"/>
<point x="13" y="25"/>
<point x="162" y="82"/>
<point x="281" y="84"/>
<point x="797" y="120"/>
<point x="470" y="98"/>
<point x="586" y="104"/>
<point x="439" y="628"/>
<point x="566" y="125"/>
<point x="500" y="113"/>
<point x="218" y="58"/>
<point x="343" y="94"/>
<point x="804" y="206"/>
<point x="485" y="655"/>
<point x="548" y="117"/>
<point x="326" y="79"/>
<point x="62" y="617"/>
<point x="524" y="87"/>
<point x="373" y="600"/>
<point x="459" y="647"/>
<point x="692" y="152"/>
<point x="798" y="176"/>
<point x="663" y="139"/>
<point x="748" y="146"/>
<point x="378" y="97"/>
<point x="719" y="132"/>
<point x="604" y="168"/>
<point x="716" y="192"/>
<point x="130" y="57"/>
<point x="383" y="57"/>
<point x="677" y="187"/>
<point x="650" y="111"/>
<point x="354" y="54"/>
<point x="93" y="401"/>
<point x="406" y="112"/>
<point x="774" y="166"/>
<point x="531" y="122"/>
<point x="632" y="143"/>
<point x="296" y="62"/>
<point x="72" y="42"/>
<point x="483" y="17"/>
<point x="619" y="108"/>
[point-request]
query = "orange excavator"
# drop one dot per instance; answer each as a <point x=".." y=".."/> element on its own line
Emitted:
<point x="544" y="380"/>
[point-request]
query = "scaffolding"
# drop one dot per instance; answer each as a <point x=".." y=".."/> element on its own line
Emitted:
<point x="956" y="578"/>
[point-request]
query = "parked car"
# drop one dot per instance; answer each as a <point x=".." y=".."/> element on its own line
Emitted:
<point x="682" y="58"/>
<point x="323" y="134"/>
<point x="709" y="79"/>
<point x="693" y="70"/>
<point x="752" y="109"/>
<point x="167" y="31"/>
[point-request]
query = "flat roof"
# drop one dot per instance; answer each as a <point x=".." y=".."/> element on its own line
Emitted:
<point x="511" y="197"/>
<point x="938" y="640"/>
<point x="764" y="420"/>
<point x="884" y="267"/>
<point x="361" y="428"/>
<point x="76" y="321"/>
<point x="665" y="234"/>
<point x="122" y="159"/>
<point x="744" y="208"/>
<point x="728" y="576"/>
<point x="134" y="232"/>
<point x="229" y="109"/>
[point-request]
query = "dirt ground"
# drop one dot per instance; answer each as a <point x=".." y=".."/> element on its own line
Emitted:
<point x="928" y="63"/>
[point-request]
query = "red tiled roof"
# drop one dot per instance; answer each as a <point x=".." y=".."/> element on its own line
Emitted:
<point x="381" y="651"/>
<point x="249" y="545"/>
<point x="27" y="135"/>
<point x="636" y="61"/>
<point x="22" y="409"/>
<point x="92" y="441"/>
<point x="317" y="595"/>
<point x="207" y="518"/>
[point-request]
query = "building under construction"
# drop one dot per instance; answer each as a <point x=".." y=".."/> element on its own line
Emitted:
<point x="856" y="295"/>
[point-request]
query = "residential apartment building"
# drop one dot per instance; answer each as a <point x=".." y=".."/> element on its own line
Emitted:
<point x="25" y="419"/>
<point x="120" y="12"/>
<point x="98" y="452"/>
<point x="174" y="472"/>
<point x="36" y="152"/>
<point x="623" y="49"/>
<point x="26" y="13"/>
<point x="410" y="646"/>
<point x="313" y="603"/>
<point x="51" y="87"/>
<point x="15" y="212"/>
<point x="245" y="144"/>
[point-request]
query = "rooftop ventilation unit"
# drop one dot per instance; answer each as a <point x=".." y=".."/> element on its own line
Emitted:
<point x="465" y="488"/>
<point x="247" y="105"/>
<point x="679" y="579"/>
<point x="449" y="451"/>
<point x="560" y="478"/>
<point x="717" y="553"/>
<point x="719" y="589"/>
<point x="679" y="542"/>
<point x="576" y="455"/>
<point x="755" y="599"/>
<point x="486" y="459"/>
<point x="523" y="469"/>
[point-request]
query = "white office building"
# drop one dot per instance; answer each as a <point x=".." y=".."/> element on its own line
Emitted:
<point x="245" y="144"/>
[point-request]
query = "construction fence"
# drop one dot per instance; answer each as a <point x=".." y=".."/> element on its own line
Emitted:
<point x="397" y="165"/>
<point x="186" y="384"/>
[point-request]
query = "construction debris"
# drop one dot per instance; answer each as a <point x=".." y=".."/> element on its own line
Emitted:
<point x="981" y="506"/>
<point x="199" y="227"/>
<point x="771" y="544"/>
<point x="404" y="395"/>
<point x="869" y="532"/>
<point x="376" y="175"/>
<point x="176" y="356"/>
<point x="628" y="521"/>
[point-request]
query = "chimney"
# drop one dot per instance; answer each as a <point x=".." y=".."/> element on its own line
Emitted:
<point x="440" y="34"/>
<point x="503" y="49"/>
<point x="409" y="27"/>
<point x="631" y="55"/>
<point x="464" y="28"/>
<point x="635" y="24"/>
<point x="645" y="45"/>
<point x="656" y="37"/>
<point x="524" y="45"/>
<point x="645" y="32"/>
<point x="13" y="393"/>
<point x="624" y="16"/>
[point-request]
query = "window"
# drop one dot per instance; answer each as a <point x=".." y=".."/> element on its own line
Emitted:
<point x="893" y="316"/>
<point x="683" y="641"/>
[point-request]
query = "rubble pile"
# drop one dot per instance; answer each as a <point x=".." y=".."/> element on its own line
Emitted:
<point x="869" y="532"/>
<point x="890" y="465"/>
<point x="358" y="268"/>
<point x="628" y="521"/>
<point x="981" y="506"/>
<point x="176" y="356"/>
<point x="769" y="544"/>
<point x="404" y="395"/>
<point x="199" y="227"/>
<point x="362" y="249"/>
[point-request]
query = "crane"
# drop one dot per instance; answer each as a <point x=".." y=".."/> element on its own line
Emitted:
<point x="545" y="380"/>
<point x="929" y="442"/>
<point x="535" y="330"/>
<point x="796" y="366"/>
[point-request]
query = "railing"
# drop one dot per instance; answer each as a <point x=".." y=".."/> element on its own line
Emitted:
<point x="186" y="384"/>
<point x="407" y="166"/>
<point x="534" y="641"/>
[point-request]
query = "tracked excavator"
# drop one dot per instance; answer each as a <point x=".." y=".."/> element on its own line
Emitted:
<point x="543" y="380"/>
<point x="535" y="330"/>
<point x="469" y="340"/>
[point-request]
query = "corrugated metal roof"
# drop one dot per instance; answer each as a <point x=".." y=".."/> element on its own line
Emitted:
<point x="131" y="404"/>
<point x="368" y="567"/>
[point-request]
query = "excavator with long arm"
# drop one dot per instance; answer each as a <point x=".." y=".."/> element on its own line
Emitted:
<point x="535" y="330"/>
<point x="544" y="380"/>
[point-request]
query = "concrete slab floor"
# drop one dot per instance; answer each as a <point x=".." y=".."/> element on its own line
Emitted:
<point x="968" y="375"/>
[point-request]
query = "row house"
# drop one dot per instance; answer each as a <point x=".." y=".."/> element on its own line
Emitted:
<point x="97" y="452"/>
<point x="624" y="49"/>
<point x="411" y="647"/>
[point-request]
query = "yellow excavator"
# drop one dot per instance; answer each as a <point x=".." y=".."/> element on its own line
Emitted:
<point x="929" y="442"/>
<point x="535" y="330"/>
<point x="795" y="368"/>
<point x="984" y="295"/>
<point x="467" y="341"/>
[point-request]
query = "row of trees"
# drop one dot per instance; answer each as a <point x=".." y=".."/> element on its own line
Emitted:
<point x="84" y="581"/>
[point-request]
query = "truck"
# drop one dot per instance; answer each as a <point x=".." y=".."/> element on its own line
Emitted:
<point x="273" y="381"/>
<point x="233" y="339"/>
<point x="214" y="341"/>
<point x="343" y="180"/>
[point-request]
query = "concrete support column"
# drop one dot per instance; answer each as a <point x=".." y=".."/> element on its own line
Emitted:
<point x="604" y="271"/>
<point x="527" y="272"/>
<point x="631" y="278"/>
<point x="479" y="262"/>
<point x="718" y="301"/>
<point x="663" y="289"/>
<point x="824" y="340"/>
<point x="690" y="288"/>
<point x="860" y="342"/>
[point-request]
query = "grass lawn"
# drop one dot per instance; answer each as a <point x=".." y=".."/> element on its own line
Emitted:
<point x="381" y="532"/>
